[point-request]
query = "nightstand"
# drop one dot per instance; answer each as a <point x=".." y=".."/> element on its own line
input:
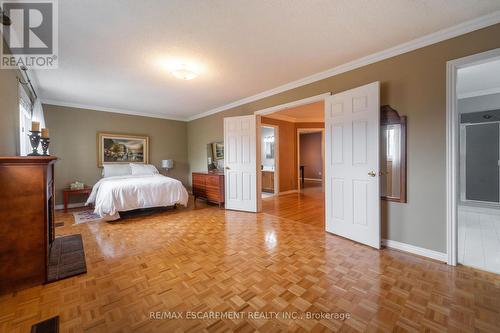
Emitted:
<point x="67" y="192"/>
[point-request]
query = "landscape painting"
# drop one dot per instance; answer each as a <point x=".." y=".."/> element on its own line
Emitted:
<point x="122" y="148"/>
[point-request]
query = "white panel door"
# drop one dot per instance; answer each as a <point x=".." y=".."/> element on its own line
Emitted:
<point x="241" y="162"/>
<point x="352" y="120"/>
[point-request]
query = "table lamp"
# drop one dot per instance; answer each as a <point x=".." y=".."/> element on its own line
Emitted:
<point x="167" y="164"/>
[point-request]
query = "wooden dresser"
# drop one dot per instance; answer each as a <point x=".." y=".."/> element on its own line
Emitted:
<point x="26" y="220"/>
<point x="209" y="186"/>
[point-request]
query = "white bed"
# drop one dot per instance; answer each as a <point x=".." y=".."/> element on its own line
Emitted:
<point x="114" y="194"/>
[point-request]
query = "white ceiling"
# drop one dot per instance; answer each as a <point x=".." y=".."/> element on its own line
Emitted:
<point x="479" y="80"/>
<point x="109" y="50"/>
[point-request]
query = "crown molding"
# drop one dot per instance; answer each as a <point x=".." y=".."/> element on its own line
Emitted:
<point x="436" y="37"/>
<point x="113" y="110"/>
<point x="479" y="93"/>
<point x="457" y="30"/>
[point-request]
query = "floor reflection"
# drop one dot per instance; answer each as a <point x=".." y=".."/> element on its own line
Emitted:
<point x="210" y="259"/>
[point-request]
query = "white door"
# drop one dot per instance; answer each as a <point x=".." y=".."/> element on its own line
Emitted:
<point x="242" y="161"/>
<point x="352" y="198"/>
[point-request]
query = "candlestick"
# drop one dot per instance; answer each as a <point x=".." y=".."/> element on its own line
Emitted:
<point x="45" y="132"/>
<point x="35" y="141"/>
<point x="35" y="126"/>
<point x="45" y="146"/>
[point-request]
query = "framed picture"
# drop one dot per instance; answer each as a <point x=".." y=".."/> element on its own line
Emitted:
<point x="218" y="150"/>
<point x="115" y="148"/>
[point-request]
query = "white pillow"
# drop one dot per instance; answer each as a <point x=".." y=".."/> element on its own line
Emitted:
<point x="111" y="170"/>
<point x="143" y="169"/>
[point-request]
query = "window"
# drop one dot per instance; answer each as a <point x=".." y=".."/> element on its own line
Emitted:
<point x="24" y="123"/>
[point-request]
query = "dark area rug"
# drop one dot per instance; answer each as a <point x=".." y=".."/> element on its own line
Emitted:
<point x="47" y="326"/>
<point x="67" y="258"/>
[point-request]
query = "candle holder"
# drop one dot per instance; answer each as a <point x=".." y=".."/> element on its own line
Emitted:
<point x="34" y="141"/>
<point x="45" y="145"/>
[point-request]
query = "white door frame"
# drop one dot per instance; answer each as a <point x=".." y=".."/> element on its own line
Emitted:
<point x="311" y="130"/>
<point x="304" y="101"/>
<point x="452" y="146"/>
<point x="281" y="107"/>
<point x="276" y="157"/>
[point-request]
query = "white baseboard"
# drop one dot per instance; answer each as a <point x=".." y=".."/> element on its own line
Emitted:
<point x="415" y="250"/>
<point x="71" y="205"/>
<point x="288" y="192"/>
<point x="319" y="180"/>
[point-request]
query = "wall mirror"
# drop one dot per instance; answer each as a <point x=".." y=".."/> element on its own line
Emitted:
<point x="393" y="155"/>
<point x="215" y="156"/>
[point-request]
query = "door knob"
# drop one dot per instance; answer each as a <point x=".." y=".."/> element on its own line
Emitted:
<point x="228" y="168"/>
<point x="372" y="174"/>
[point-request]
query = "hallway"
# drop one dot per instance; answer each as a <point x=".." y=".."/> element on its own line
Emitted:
<point x="306" y="206"/>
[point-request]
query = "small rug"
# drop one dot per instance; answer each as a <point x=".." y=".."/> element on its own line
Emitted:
<point x="47" y="326"/>
<point x="86" y="216"/>
<point x="67" y="258"/>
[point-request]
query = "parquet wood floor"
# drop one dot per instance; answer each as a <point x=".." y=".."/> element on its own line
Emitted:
<point x="208" y="259"/>
<point x="306" y="206"/>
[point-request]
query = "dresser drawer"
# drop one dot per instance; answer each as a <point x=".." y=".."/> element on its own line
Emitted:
<point x="199" y="191"/>
<point x="209" y="186"/>
<point x="199" y="180"/>
<point x="213" y="194"/>
<point x="213" y="181"/>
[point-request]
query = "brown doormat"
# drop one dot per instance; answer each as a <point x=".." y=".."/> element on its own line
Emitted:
<point x="47" y="326"/>
<point x="67" y="258"/>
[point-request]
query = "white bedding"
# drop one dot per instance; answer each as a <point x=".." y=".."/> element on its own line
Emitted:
<point x="123" y="193"/>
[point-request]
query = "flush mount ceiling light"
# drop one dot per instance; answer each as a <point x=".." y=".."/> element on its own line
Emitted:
<point x="182" y="68"/>
<point x="184" y="71"/>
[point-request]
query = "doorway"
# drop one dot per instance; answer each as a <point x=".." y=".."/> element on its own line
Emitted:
<point x="289" y="122"/>
<point x="269" y="144"/>
<point x="352" y="192"/>
<point x="310" y="158"/>
<point x="473" y="169"/>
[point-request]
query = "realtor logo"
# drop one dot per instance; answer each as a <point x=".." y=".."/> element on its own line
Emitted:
<point x="31" y="37"/>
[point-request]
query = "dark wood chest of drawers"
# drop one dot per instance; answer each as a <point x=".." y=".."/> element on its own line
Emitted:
<point x="26" y="220"/>
<point x="208" y="186"/>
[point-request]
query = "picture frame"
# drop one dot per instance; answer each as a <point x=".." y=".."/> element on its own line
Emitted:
<point x="118" y="148"/>
<point x="218" y="150"/>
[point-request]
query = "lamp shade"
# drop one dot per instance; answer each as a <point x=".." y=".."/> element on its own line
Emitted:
<point x="167" y="164"/>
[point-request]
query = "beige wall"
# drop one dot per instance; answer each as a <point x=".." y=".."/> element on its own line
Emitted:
<point x="73" y="140"/>
<point x="311" y="154"/>
<point x="414" y="84"/>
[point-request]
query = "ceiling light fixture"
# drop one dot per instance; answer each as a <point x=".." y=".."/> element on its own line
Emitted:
<point x="184" y="71"/>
